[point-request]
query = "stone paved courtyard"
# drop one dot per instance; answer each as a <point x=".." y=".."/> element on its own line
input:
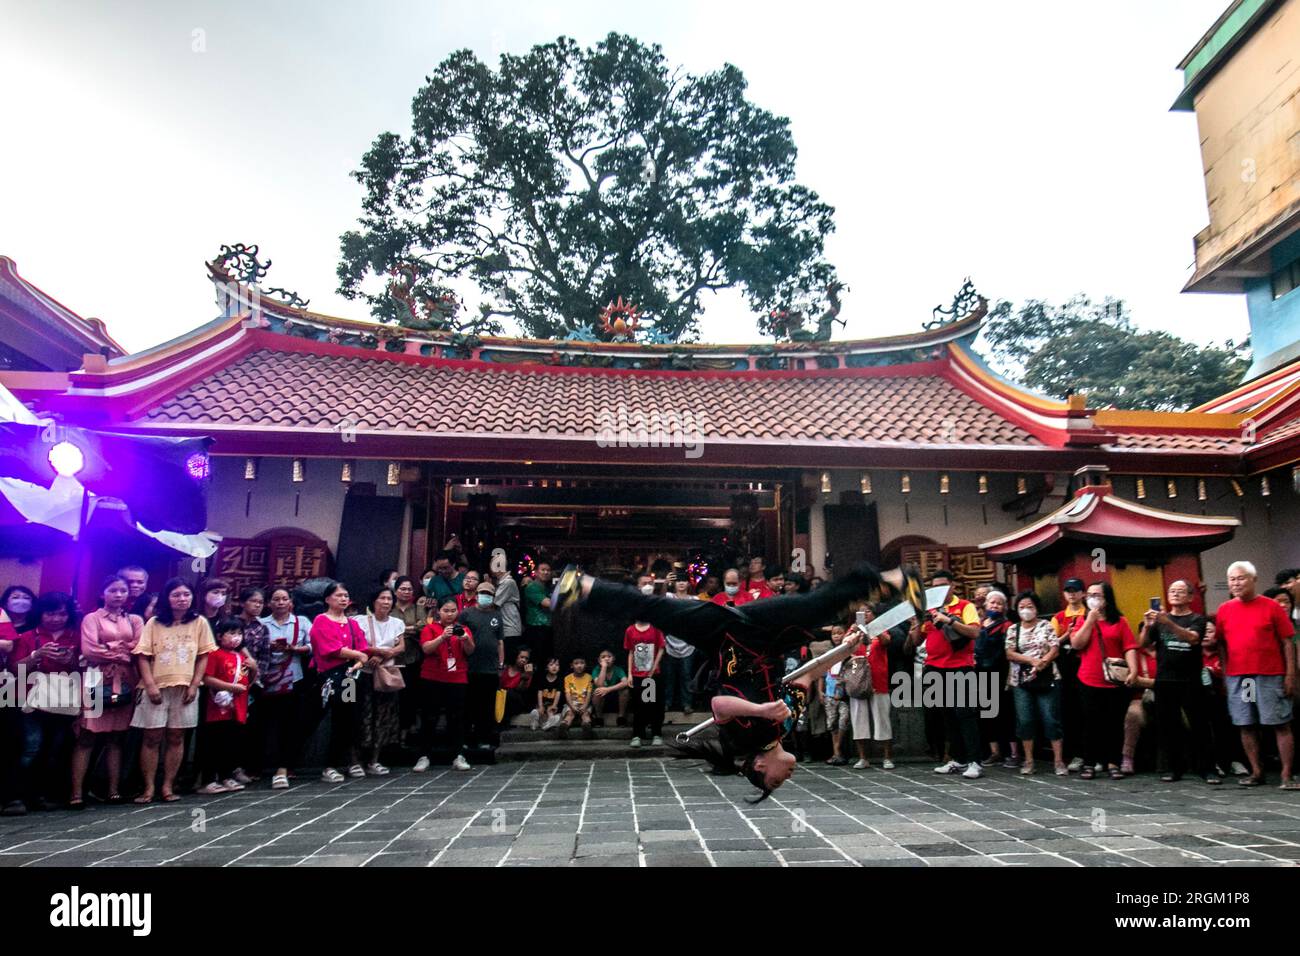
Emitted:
<point x="653" y="812"/>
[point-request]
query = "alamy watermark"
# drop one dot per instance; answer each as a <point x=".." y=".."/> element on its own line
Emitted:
<point x="632" y="428"/>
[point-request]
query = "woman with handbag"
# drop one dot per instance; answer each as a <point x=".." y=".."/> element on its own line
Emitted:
<point x="340" y="652"/>
<point x="283" y="701"/>
<point x="384" y="634"/>
<point x="1032" y="647"/>
<point x="108" y="637"/>
<point x="1107" y="673"/>
<point x="867" y="686"/>
<point x="51" y="654"/>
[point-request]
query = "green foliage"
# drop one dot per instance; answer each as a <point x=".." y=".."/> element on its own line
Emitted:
<point x="567" y="177"/>
<point x="1094" y="348"/>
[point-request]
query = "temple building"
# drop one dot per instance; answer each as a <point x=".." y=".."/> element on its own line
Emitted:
<point x="344" y="448"/>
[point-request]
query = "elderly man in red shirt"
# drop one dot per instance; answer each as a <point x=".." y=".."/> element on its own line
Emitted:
<point x="1255" y="634"/>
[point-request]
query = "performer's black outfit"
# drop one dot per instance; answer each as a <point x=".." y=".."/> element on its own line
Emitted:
<point x="750" y="640"/>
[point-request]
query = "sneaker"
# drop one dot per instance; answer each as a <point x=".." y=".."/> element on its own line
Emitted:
<point x="887" y="765"/>
<point x="377" y="769"/>
<point x="973" y="772"/>
<point x="636" y="742"/>
<point x="1012" y="763"/>
<point x="15" y="808"/>
<point x="241" y="777"/>
<point x="421" y="765"/>
<point x="1238" y="769"/>
<point x="232" y="784"/>
<point x="992" y="760"/>
<point x="356" y="771"/>
<point x="330" y="775"/>
<point x="533" y="721"/>
<point x="657" y="742"/>
<point x="1062" y="770"/>
<point x="552" y="722"/>
<point x="686" y="711"/>
<point x="951" y="766"/>
<point x="1075" y="765"/>
<point x="460" y="763"/>
<point x="837" y="761"/>
<point x="861" y="765"/>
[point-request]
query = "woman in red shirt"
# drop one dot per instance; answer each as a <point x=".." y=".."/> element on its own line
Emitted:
<point x="1104" y="634"/>
<point x="444" y="675"/>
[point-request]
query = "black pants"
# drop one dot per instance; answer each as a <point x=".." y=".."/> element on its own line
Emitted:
<point x="1173" y="699"/>
<point x="1071" y="705"/>
<point x="480" y="709"/>
<point x="538" y="639"/>
<point x="438" y="698"/>
<point x="345" y="721"/>
<point x="961" y="725"/>
<point x="1000" y="730"/>
<point x="774" y="624"/>
<point x="222" y="745"/>
<point x="647" y="714"/>
<point x="1103" y="723"/>
<point x="279" y="728"/>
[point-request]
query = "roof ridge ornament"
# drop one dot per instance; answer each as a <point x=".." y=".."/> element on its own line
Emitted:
<point x="966" y="302"/>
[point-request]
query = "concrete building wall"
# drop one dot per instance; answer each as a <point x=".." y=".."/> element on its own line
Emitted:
<point x="1248" y="114"/>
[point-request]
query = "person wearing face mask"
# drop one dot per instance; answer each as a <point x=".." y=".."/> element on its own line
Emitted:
<point x="172" y="657"/>
<point x="486" y="662"/>
<point x="732" y="594"/>
<point x="1104" y="635"/>
<point x="991" y="659"/>
<point x="212" y="598"/>
<point x="16" y="603"/>
<point x="1032" y="648"/>
<point x="227" y="678"/>
<point x="53" y="648"/>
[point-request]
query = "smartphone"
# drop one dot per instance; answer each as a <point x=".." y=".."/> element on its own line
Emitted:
<point x="1155" y="604"/>
<point x="861" y="618"/>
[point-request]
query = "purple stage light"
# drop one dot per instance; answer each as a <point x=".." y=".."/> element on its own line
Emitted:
<point x="198" y="466"/>
<point x="66" y="459"/>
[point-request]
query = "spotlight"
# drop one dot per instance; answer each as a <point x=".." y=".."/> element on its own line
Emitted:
<point x="66" y="459"/>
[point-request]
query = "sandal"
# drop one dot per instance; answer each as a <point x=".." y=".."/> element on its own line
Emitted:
<point x="1028" y="770"/>
<point x="1290" y="785"/>
<point x="1062" y="770"/>
<point x="1087" y="774"/>
<point x="76" y="804"/>
<point x="144" y="798"/>
<point x="1250" y="781"/>
<point x="280" y="782"/>
<point x="210" y="790"/>
<point x="115" y="798"/>
<point x="1117" y="774"/>
<point x="1171" y="778"/>
<point x="170" y="798"/>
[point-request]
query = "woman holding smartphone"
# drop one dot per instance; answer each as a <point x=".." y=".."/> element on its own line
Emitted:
<point x="281" y="702"/>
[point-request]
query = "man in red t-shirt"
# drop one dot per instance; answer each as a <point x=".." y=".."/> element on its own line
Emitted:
<point x="732" y="594"/>
<point x="949" y="635"/>
<point x="1255" y="636"/>
<point x="757" y="586"/>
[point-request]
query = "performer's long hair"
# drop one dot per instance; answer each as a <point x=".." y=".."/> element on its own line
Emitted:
<point x="725" y="762"/>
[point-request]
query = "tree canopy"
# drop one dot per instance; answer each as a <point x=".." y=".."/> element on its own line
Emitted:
<point x="567" y="177"/>
<point x="1091" y="347"/>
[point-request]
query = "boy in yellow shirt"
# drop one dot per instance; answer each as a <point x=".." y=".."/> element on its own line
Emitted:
<point x="577" y="696"/>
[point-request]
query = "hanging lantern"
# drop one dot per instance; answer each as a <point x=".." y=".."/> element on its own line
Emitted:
<point x="944" y="484"/>
<point x="1142" y="489"/>
<point x="394" y="473"/>
<point x="1201" y="493"/>
<point x="864" y="483"/>
<point x="1022" y="486"/>
<point x="299" y="470"/>
<point x="826" y="482"/>
<point x="1236" y="487"/>
<point x="984" y="484"/>
<point x="905" y="483"/>
<point x="250" y="469"/>
<point x="1171" y="487"/>
<point x="345" y="475"/>
<point x="1264" y="488"/>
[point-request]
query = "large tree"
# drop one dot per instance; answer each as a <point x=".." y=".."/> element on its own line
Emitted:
<point x="568" y="177"/>
<point x="1091" y="347"/>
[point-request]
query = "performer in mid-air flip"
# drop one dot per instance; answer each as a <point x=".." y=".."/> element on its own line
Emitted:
<point x="750" y="641"/>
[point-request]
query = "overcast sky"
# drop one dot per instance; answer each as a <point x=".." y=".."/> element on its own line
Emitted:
<point x="1026" y="144"/>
